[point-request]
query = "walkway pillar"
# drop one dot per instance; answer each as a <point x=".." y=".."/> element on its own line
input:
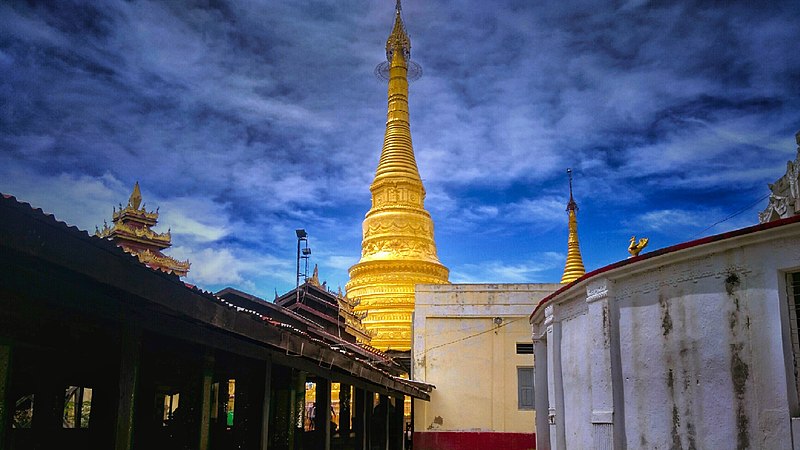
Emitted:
<point x="5" y="401"/>
<point x="130" y="355"/>
<point x="265" y="405"/>
<point x="363" y="418"/>
<point x="323" y="413"/>
<point x="205" y="397"/>
<point x="383" y="421"/>
<point x="344" y="412"/>
<point x="396" y="430"/>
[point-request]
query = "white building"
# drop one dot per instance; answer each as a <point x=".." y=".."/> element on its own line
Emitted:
<point x="691" y="346"/>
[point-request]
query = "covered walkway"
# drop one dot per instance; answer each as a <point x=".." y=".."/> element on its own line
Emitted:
<point x="99" y="351"/>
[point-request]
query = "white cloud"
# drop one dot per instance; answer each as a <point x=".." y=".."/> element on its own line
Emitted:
<point x="670" y="218"/>
<point x="197" y="219"/>
<point x="340" y="262"/>
<point x="529" y="271"/>
<point x="80" y="200"/>
<point x="692" y="223"/>
<point x="225" y="265"/>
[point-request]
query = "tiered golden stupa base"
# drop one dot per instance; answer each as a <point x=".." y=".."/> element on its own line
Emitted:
<point x="385" y="290"/>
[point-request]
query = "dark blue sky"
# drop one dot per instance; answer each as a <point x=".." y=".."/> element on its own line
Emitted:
<point x="245" y="120"/>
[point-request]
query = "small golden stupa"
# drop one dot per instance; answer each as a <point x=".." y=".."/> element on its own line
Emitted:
<point x="398" y="250"/>
<point x="574" y="268"/>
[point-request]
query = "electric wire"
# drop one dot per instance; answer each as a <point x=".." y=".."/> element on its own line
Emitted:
<point x="472" y="335"/>
<point x="750" y="206"/>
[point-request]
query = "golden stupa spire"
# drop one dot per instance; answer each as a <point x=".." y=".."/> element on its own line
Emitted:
<point x="398" y="250"/>
<point x="574" y="268"/>
<point x="397" y="157"/>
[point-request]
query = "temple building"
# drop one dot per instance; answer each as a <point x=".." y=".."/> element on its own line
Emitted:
<point x="131" y="230"/>
<point x="398" y="249"/>
<point x="574" y="267"/>
<point x="333" y="311"/>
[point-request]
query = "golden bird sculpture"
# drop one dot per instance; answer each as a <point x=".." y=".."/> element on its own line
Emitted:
<point x="635" y="247"/>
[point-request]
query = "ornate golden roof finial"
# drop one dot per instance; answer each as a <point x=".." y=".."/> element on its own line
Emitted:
<point x="635" y="248"/>
<point x="574" y="267"/>
<point x="314" y="277"/>
<point x="136" y="197"/>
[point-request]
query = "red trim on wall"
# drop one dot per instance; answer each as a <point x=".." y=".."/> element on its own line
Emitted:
<point x="473" y="440"/>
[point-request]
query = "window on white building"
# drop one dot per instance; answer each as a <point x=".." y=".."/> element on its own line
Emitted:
<point x="525" y="388"/>
<point x="793" y="297"/>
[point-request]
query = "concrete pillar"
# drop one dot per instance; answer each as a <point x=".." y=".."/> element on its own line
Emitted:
<point x="600" y="338"/>
<point x="555" y="385"/>
<point x="5" y="402"/>
<point x="323" y="413"/>
<point x="130" y="354"/>
<point x="540" y="386"/>
<point x="265" y="405"/>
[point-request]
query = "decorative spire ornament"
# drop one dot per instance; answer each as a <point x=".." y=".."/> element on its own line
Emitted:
<point x="136" y="197"/>
<point x="574" y="267"/>
<point x="397" y="250"/>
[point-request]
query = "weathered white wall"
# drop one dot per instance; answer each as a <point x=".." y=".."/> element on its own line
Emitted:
<point x="471" y="360"/>
<point x="696" y="354"/>
<point x="576" y="372"/>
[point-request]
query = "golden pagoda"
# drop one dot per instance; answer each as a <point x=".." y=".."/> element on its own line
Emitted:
<point x="397" y="250"/>
<point x="574" y="268"/>
<point x="131" y="230"/>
